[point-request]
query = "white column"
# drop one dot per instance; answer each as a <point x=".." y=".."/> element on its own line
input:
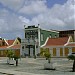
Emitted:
<point x="35" y="48"/>
<point x="51" y="51"/>
<point x="57" y="52"/>
<point x="24" y="31"/>
<point x="74" y="33"/>
<point x="21" y="50"/>
<point x="70" y="49"/>
<point x="24" y="41"/>
<point x="38" y="39"/>
<point x="63" y="52"/>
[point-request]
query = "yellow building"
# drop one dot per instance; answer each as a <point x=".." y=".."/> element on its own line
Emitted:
<point x="10" y="45"/>
<point x="59" y="47"/>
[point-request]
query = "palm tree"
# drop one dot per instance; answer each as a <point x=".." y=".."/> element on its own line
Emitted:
<point x="72" y="57"/>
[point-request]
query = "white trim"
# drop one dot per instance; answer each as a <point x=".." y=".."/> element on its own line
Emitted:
<point x="39" y="35"/>
<point x="10" y="46"/>
<point x="14" y="41"/>
<point x="6" y="42"/>
<point x="70" y="49"/>
<point x="53" y="46"/>
<point x="74" y="35"/>
<point x="42" y="37"/>
<point x="63" y="52"/>
<point x="42" y="29"/>
<point x="67" y="41"/>
<point x="45" y="42"/>
<point x="71" y="42"/>
<point x="58" y="51"/>
<point x="51" y="30"/>
<point x="31" y="29"/>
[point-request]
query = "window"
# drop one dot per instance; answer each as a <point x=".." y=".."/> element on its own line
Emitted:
<point x="55" y="36"/>
<point x="17" y="43"/>
<point x="3" y="43"/>
<point x="22" y="47"/>
<point x="42" y="38"/>
<point x="50" y="36"/>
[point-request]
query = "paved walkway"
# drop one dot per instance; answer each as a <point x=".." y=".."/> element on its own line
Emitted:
<point x="31" y="66"/>
<point x="11" y="72"/>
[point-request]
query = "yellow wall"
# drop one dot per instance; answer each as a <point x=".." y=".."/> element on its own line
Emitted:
<point x="61" y="51"/>
<point x="17" y="52"/>
<point x="42" y="51"/>
<point x="66" y="51"/>
<point x="3" y="53"/>
<point x="16" y="42"/>
<point x="54" y="51"/>
<point x="73" y="49"/>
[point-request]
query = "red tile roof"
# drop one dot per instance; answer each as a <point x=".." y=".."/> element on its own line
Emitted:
<point x="57" y="41"/>
<point x="71" y="44"/>
<point x="10" y="45"/>
<point x="15" y="47"/>
<point x="3" y="47"/>
<point x="10" y="42"/>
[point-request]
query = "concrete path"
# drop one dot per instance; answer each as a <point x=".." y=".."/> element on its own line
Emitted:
<point x="11" y="72"/>
<point x="31" y="66"/>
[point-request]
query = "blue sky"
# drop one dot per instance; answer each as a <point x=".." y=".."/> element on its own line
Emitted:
<point x="50" y="3"/>
<point x="50" y="14"/>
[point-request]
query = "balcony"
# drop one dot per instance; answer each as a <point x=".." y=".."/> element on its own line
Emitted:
<point x="29" y="41"/>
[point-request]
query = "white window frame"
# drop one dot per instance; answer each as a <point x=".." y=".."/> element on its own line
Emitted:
<point x="55" y="36"/>
<point x="50" y="36"/>
<point x="42" y="37"/>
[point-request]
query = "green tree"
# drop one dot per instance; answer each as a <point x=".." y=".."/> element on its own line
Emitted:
<point x="48" y="56"/>
<point x="72" y="57"/>
<point x="10" y="54"/>
<point x="16" y="59"/>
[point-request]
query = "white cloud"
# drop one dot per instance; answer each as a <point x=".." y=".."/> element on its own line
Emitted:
<point x="10" y="19"/>
<point x="10" y="24"/>
<point x="56" y="17"/>
<point x="23" y="19"/>
<point x="33" y="7"/>
<point x="13" y="4"/>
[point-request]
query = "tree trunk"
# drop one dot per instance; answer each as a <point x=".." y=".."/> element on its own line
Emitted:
<point x="16" y="62"/>
<point x="48" y="60"/>
<point x="74" y="66"/>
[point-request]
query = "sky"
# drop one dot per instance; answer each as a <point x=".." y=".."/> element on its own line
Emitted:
<point x="50" y="14"/>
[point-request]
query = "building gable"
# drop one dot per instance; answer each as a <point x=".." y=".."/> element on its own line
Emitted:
<point x="56" y="41"/>
<point x="16" y="42"/>
<point x="71" y="39"/>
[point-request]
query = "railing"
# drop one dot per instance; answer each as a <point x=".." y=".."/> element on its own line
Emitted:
<point x="29" y="41"/>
